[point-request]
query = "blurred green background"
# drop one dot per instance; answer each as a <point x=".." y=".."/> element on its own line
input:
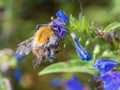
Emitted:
<point x="18" y="19"/>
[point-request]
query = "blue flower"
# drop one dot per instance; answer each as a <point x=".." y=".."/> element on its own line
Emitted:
<point x="56" y="82"/>
<point x="82" y="52"/>
<point x="61" y="30"/>
<point x="105" y="65"/>
<point x="111" y="80"/>
<point x="17" y="74"/>
<point x="59" y="23"/>
<point x="19" y="56"/>
<point x="73" y="84"/>
<point x="62" y="17"/>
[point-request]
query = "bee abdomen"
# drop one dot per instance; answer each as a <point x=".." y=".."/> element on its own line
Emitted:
<point x="49" y="54"/>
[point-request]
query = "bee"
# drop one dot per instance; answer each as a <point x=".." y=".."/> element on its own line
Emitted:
<point x="43" y="44"/>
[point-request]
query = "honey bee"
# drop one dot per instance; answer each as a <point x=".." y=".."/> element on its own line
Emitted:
<point x="43" y="44"/>
<point x="45" y="40"/>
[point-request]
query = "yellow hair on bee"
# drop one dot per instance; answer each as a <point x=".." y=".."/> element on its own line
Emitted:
<point x="43" y="34"/>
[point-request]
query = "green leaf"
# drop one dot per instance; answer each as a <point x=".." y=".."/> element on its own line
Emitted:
<point x="112" y="26"/>
<point x="70" y="67"/>
<point x="74" y="24"/>
<point x="84" y="24"/>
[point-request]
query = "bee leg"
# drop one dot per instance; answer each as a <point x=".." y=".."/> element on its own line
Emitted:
<point x="52" y="53"/>
<point x="59" y="51"/>
<point x="48" y="55"/>
<point x="50" y="60"/>
<point x="36" y="63"/>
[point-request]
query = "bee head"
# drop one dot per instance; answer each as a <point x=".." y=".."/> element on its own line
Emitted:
<point x="54" y="27"/>
<point x="40" y="25"/>
<point x="59" y="28"/>
<point x="37" y="27"/>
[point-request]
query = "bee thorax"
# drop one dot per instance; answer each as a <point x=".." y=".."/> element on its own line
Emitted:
<point x="53" y="42"/>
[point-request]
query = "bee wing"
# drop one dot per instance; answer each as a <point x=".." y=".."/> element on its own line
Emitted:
<point x="36" y="63"/>
<point x="24" y="47"/>
<point x="39" y="55"/>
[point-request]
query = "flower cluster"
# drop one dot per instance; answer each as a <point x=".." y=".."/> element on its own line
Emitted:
<point x="111" y="79"/>
<point x="59" y="23"/>
<point x="105" y="65"/>
<point x="71" y="84"/>
<point x="62" y="17"/>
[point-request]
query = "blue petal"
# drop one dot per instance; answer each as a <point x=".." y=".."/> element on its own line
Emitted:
<point x="62" y="17"/>
<point x="61" y="30"/>
<point x="17" y="74"/>
<point x="73" y="84"/>
<point x="111" y="81"/>
<point x="82" y="52"/>
<point x="56" y="82"/>
<point x="105" y="65"/>
<point x="19" y="56"/>
<point x="59" y="23"/>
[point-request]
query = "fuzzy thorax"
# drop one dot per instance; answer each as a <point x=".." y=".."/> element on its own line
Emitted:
<point x="43" y="34"/>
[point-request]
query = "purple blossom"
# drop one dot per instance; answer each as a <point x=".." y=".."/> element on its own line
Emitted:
<point x="105" y="65"/>
<point x="19" y="56"/>
<point x="61" y="30"/>
<point x="111" y="80"/>
<point x="56" y="82"/>
<point x="82" y="52"/>
<point x="17" y="74"/>
<point x="62" y="17"/>
<point x="59" y="23"/>
<point x="73" y="84"/>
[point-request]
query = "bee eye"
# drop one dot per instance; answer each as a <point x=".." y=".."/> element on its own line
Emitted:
<point x="54" y="27"/>
<point x="37" y="27"/>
